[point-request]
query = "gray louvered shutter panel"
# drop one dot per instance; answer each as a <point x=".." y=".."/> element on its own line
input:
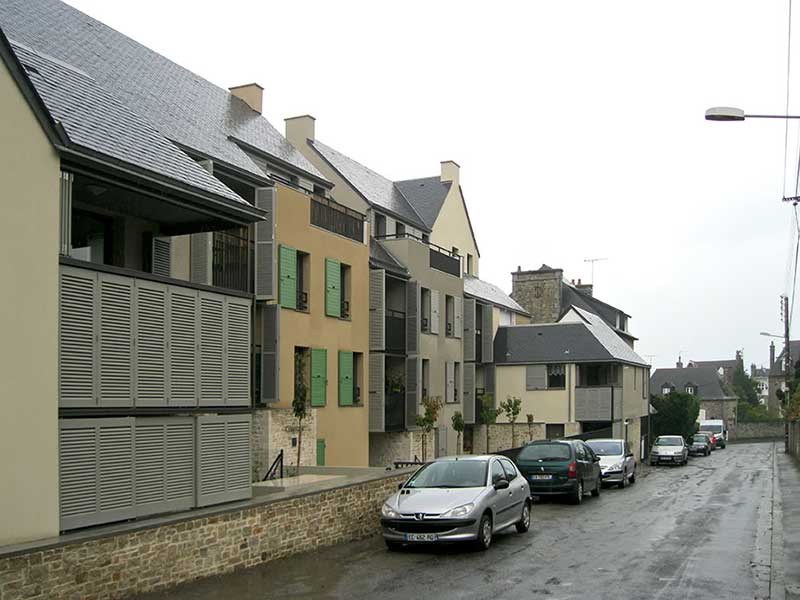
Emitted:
<point x="413" y="390"/>
<point x="270" y="353"/>
<point x="211" y="349"/>
<point x="468" y="393"/>
<point x="435" y="318"/>
<point x="449" y="381"/>
<point x="377" y="309"/>
<point x="237" y="340"/>
<point x="115" y="470"/>
<point x="180" y="476"/>
<point x="201" y="255"/>
<point x="239" y="476"/>
<point x="487" y="334"/>
<point x="469" y="329"/>
<point x="65" y="213"/>
<point x="162" y="256"/>
<point x="77" y="458"/>
<point x="458" y="305"/>
<point x="77" y="330"/>
<point x="536" y="377"/>
<point x="116" y="340"/>
<point x="151" y="343"/>
<point x="489" y="374"/>
<point x="377" y="392"/>
<point x="265" y="271"/>
<point x="412" y="317"/>
<point x="182" y="344"/>
<point x="223" y="458"/>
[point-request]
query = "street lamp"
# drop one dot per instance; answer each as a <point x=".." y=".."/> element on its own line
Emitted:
<point x="729" y="113"/>
<point x="770" y="334"/>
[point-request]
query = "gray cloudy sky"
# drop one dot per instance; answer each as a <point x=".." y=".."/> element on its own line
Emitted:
<point x="578" y="126"/>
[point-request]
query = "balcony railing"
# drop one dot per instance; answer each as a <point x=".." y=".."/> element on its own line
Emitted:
<point x="441" y="259"/>
<point x="598" y="403"/>
<point x="233" y="253"/>
<point x="337" y="219"/>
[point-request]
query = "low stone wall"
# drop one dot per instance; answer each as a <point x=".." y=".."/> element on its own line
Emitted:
<point x="385" y="448"/>
<point x="272" y="430"/>
<point x="753" y="431"/>
<point x="793" y="444"/>
<point x="161" y="557"/>
<point x="500" y="436"/>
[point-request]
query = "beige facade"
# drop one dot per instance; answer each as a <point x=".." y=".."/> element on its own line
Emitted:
<point x="343" y="428"/>
<point x="29" y="238"/>
<point x="452" y="227"/>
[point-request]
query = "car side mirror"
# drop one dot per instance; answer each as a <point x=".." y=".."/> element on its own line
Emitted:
<point x="501" y="484"/>
<point x="400" y="486"/>
<point x="629" y="455"/>
<point x="596" y="459"/>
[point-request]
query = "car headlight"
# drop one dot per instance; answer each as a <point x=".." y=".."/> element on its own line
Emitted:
<point x="616" y="467"/>
<point x="459" y="511"/>
<point x="388" y="512"/>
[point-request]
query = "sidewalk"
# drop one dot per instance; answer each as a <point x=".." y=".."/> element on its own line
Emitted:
<point x="789" y="484"/>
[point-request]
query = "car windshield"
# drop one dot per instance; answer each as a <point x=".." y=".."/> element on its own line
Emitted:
<point x="450" y="474"/>
<point x="545" y="452"/>
<point x="606" y="448"/>
<point x="700" y="439"/>
<point x="713" y="428"/>
<point x="669" y="441"/>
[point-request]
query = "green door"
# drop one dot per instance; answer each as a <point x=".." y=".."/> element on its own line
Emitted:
<point x="345" y="378"/>
<point x="319" y="376"/>
<point x="320" y="453"/>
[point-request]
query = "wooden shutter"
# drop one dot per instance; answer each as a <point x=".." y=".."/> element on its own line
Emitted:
<point x="151" y="344"/>
<point x="201" y="256"/>
<point x="77" y="331"/>
<point x="434" y="324"/>
<point x="468" y="393"/>
<point x="489" y="374"/>
<point x="116" y="340"/>
<point x="212" y="336"/>
<point x="270" y="354"/>
<point x="377" y="393"/>
<point x="469" y="329"/>
<point x="162" y="256"/>
<point x="458" y="309"/>
<point x="412" y="317"/>
<point x="288" y="277"/>
<point x="377" y="309"/>
<point x="345" y="378"/>
<point x="413" y="390"/>
<point x="333" y="288"/>
<point x="265" y="272"/>
<point x="237" y="351"/>
<point x="487" y="334"/>
<point x="319" y="376"/>
<point x="536" y="377"/>
<point x="449" y="383"/>
<point x="223" y="458"/>
<point x="182" y="344"/>
<point x="65" y="213"/>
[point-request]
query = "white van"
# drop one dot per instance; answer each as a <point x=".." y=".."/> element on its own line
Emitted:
<point x="717" y="427"/>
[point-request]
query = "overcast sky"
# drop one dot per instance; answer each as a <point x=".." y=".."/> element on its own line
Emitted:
<point x="578" y="127"/>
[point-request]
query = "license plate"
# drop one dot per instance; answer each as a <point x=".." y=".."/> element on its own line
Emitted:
<point x="541" y="476"/>
<point x="421" y="537"/>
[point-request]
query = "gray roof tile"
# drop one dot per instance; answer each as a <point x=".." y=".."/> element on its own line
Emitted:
<point x="491" y="293"/>
<point x="426" y="196"/>
<point x="381" y="258"/>
<point x="704" y="379"/>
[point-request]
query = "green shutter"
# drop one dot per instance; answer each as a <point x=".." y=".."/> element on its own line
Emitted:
<point x="333" y="288"/>
<point x="345" y="378"/>
<point x="319" y="376"/>
<point x="288" y="277"/>
<point x="320" y="453"/>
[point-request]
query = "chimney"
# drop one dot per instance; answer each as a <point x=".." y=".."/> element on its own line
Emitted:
<point x="586" y="288"/>
<point x="679" y="364"/>
<point x="450" y="171"/>
<point x="752" y="369"/>
<point x="539" y="292"/>
<point x="299" y="129"/>
<point x="771" y="354"/>
<point x="251" y="93"/>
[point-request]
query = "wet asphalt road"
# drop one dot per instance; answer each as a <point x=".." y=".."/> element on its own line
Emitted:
<point x="700" y="531"/>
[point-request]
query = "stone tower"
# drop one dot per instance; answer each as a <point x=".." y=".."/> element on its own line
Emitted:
<point x="539" y="292"/>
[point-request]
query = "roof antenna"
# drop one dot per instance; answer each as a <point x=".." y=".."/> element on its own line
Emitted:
<point x="593" y="260"/>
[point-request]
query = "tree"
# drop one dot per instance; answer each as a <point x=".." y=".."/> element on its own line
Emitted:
<point x="744" y="388"/>
<point x="427" y="421"/>
<point x="676" y="414"/>
<point x="530" y="426"/>
<point x="488" y="415"/>
<point x="512" y="406"/>
<point x="458" y="426"/>
<point x="300" y="400"/>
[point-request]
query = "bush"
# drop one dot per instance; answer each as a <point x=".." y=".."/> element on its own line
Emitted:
<point x="754" y="414"/>
<point x="676" y="414"/>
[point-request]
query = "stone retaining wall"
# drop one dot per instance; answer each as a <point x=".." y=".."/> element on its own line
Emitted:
<point x="751" y="431"/>
<point x="161" y="557"/>
<point x="793" y="444"/>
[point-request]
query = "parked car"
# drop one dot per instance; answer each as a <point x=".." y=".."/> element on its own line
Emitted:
<point x="717" y="427"/>
<point x="560" y="467"/>
<point x="670" y="449"/>
<point x="700" y="444"/>
<point x="617" y="463"/>
<point x="712" y="438"/>
<point x="454" y="499"/>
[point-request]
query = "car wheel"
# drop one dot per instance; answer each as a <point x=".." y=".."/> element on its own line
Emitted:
<point x="484" y="532"/>
<point x="525" y="522"/>
<point x="577" y="495"/>
<point x="393" y="546"/>
<point x="624" y="482"/>
<point x="596" y="490"/>
<point x="633" y="477"/>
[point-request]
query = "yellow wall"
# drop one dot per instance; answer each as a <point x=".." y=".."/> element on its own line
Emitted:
<point x="546" y="406"/>
<point x="344" y="428"/>
<point x="452" y="228"/>
<point x="29" y="238"/>
<point x="633" y="405"/>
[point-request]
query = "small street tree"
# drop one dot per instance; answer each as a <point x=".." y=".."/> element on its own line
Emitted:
<point x="427" y="420"/>
<point x="676" y="414"/>
<point x="511" y="406"/>
<point x="300" y="400"/>
<point x="458" y="426"/>
<point x="488" y="415"/>
<point x="530" y="427"/>
<point x="744" y="387"/>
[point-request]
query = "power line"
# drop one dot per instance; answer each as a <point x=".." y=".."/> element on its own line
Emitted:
<point x="788" y="78"/>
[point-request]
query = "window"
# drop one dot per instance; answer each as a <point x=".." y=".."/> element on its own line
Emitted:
<point x="346" y="282"/>
<point x="426" y="377"/>
<point x="400" y="229"/>
<point x="425" y="320"/>
<point x="380" y="225"/>
<point x="599" y="375"/>
<point x="303" y="280"/>
<point x="666" y="390"/>
<point x="295" y="278"/>
<point x="454" y="251"/>
<point x="469" y="264"/>
<point x="690" y="389"/>
<point x="556" y="377"/>
<point x="91" y="237"/>
<point x="337" y="289"/>
<point x="457" y="379"/>
<point x="426" y="239"/>
<point x="450" y="315"/>
<point x="497" y="472"/>
<point x="508" y="467"/>
<point x="349" y="378"/>
<point x="302" y="371"/>
<point x="319" y="377"/>
<point x="554" y="431"/>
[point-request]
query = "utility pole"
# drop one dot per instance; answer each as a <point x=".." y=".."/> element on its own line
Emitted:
<point x="593" y="260"/>
<point x="788" y="363"/>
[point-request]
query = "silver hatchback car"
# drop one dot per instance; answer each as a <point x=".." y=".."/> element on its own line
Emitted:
<point x="455" y="499"/>
<point x="617" y="463"/>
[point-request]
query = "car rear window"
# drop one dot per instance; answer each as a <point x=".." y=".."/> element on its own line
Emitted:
<point x="606" y="448"/>
<point x="555" y="451"/>
<point x="669" y="441"/>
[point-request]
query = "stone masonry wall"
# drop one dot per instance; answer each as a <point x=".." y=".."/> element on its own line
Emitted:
<point x="273" y="430"/>
<point x="539" y="292"/>
<point x="750" y="431"/>
<point x="159" y="558"/>
<point x="719" y="409"/>
<point x="500" y="436"/>
<point x="385" y="448"/>
<point x="259" y="437"/>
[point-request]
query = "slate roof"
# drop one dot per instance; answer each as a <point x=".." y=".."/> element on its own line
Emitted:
<point x="95" y="120"/>
<point x="373" y="187"/>
<point x="183" y="106"/>
<point x="491" y="293"/>
<point x="571" y="296"/>
<point x="426" y="195"/>
<point x="705" y="380"/>
<point x="776" y="369"/>
<point x="716" y="364"/>
<point x="586" y="340"/>
<point x="381" y="258"/>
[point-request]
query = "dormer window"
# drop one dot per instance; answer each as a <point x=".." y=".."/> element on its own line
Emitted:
<point x="666" y="389"/>
<point x="690" y="389"/>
